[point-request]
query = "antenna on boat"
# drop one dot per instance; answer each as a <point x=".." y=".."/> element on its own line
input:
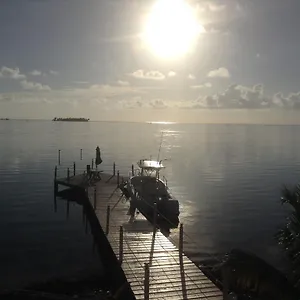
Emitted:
<point x="161" y="140"/>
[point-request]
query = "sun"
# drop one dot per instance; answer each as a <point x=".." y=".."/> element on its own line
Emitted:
<point x="171" y="28"/>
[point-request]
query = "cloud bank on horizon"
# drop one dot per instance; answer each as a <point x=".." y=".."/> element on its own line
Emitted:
<point x="79" y="61"/>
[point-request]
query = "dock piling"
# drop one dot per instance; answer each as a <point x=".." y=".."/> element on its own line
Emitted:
<point x="59" y="157"/>
<point x="80" y="154"/>
<point x="55" y="173"/>
<point x="121" y="245"/>
<point x="118" y="178"/>
<point x="74" y="168"/>
<point x="146" y="282"/>
<point x="68" y="174"/>
<point x="132" y="169"/>
<point x="92" y="163"/>
<point x="114" y="169"/>
<point x="107" y="220"/>
<point x="154" y="216"/>
<point x="181" y="239"/>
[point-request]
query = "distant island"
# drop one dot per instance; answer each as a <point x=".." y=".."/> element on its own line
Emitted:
<point x="4" y="119"/>
<point x="71" y="119"/>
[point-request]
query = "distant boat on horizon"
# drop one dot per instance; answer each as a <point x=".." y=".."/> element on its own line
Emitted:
<point x="71" y="119"/>
<point x="4" y="119"/>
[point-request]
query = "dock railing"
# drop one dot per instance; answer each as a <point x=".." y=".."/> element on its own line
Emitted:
<point x="70" y="168"/>
<point x="147" y="266"/>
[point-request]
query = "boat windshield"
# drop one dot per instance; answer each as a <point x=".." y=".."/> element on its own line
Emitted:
<point x="150" y="167"/>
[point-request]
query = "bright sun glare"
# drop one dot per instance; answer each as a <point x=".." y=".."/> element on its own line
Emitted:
<point x="171" y="28"/>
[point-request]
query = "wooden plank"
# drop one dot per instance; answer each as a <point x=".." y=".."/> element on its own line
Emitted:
<point x="170" y="277"/>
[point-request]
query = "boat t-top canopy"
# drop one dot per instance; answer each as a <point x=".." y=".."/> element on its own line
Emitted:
<point x="153" y="165"/>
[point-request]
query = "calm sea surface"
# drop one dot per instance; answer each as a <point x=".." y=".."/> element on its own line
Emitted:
<point x="226" y="177"/>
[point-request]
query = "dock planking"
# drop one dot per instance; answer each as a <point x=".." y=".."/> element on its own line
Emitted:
<point x="171" y="275"/>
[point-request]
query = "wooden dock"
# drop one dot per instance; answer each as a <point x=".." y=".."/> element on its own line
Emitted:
<point x="152" y="264"/>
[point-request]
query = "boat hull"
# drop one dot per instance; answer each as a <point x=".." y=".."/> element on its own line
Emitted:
<point x="165" y="210"/>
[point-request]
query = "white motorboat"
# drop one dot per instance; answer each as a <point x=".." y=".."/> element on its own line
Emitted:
<point x="149" y="194"/>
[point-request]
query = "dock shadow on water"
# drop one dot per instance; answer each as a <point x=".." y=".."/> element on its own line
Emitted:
<point x="113" y="282"/>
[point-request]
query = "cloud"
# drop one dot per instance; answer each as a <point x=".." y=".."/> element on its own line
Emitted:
<point x="123" y="83"/>
<point x="135" y="102"/>
<point x="150" y="75"/>
<point x="81" y="82"/>
<point x="34" y="86"/>
<point x="191" y="76"/>
<point x="236" y="96"/>
<point x="216" y="7"/>
<point x="221" y="72"/>
<point x="202" y="86"/>
<point x="35" y="73"/>
<point x="158" y="104"/>
<point x="53" y="72"/>
<point x="11" y="73"/>
<point x="172" y="74"/>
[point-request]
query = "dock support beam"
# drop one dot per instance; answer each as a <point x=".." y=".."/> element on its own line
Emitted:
<point x="74" y="168"/>
<point x="107" y="220"/>
<point x="80" y="154"/>
<point x="146" y="282"/>
<point x="121" y="245"/>
<point x="59" y="157"/>
<point x="92" y="163"/>
<point x="181" y="239"/>
<point x="132" y="170"/>
<point x="114" y="169"/>
<point x="118" y="178"/>
<point x="95" y="198"/>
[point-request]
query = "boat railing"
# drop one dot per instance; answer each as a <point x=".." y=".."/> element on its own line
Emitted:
<point x="164" y="179"/>
<point x="135" y="172"/>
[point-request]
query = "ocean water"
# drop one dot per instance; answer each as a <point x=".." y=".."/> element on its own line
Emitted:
<point x="226" y="177"/>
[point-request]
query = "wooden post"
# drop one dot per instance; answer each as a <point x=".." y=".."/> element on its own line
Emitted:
<point x="118" y="178"/>
<point x="146" y="282"/>
<point x="74" y="168"/>
<point x="121" y="245"/>
<point x="59" y="157"/>
<point x="132" y="170"/>
<point x="107" y="220"/>
<point x="88" y="169"/>
<point x="68" y="174"/>
<point x="114" y="169"/>
<point x="181" y="239"/>
<point x="80" y="154"/>
<point x="92" y="163"/>
<point x="95" y="198"/>
<point x="55" y="202"/>
<point x="55" y="173"/>
<point x="154" y="216"/>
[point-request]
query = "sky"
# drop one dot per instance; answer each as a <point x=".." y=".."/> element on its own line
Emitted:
<point x="91" y="59"/>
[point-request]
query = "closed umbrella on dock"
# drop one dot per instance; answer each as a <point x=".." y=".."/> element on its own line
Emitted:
<point x="98" y="156"/>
